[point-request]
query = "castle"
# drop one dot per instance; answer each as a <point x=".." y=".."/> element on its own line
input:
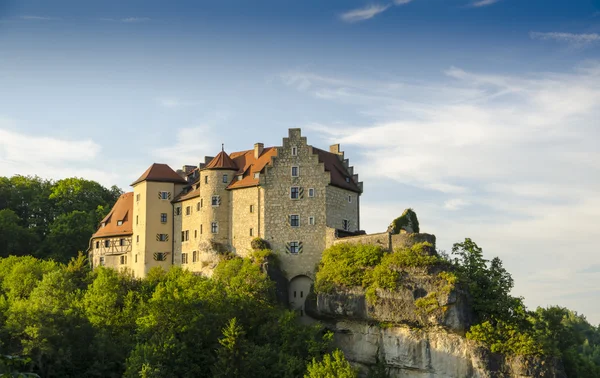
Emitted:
<point x="295" y="196"/>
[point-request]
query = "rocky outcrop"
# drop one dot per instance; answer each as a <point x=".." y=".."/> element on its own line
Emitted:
<point x="432" y="352"/>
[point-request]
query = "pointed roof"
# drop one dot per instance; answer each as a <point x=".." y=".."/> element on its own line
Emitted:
<point x="160" y="173"/>
<point x="221" y="161"/>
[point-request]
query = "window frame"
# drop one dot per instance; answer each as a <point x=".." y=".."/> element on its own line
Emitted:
<point x="311" y="220"/>
<point x="163" y="218"/>
<point x="297" y="169"/>
<point x="294" y="151"/>
<point x="297" y="188"/>
<point x="311" y="192"/>
<point x="296" y="218"/>
<point x="225" y="178"/>
<point x="214" y="227"/>
<point x="178" y="210"/>
<point x="295" y="245"/>
<point x="184" y="258"/>
<point x="349" y="198"/>
<point x="345" y="225"/>
<point x="214" y="203"/>
<point x="188" y="210"/>
<point x="164" y="195"/>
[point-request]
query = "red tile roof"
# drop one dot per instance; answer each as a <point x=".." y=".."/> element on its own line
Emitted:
<point x="339" y="173"/>
<point x="121" y="211"/>
<point x="160" y="173"/>
<point x="248" y="165"/>
<point x="221" y="161"/>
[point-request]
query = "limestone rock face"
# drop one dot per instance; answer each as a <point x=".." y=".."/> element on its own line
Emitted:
<point x="431" y="352"/>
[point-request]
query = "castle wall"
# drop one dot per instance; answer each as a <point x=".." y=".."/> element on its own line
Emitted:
<point x="341" y="205"/>
<point x="117" y="255"/>
<point x="190" y="223"/>
<point x="381" y="239"/>
<point x="243" y="220"/>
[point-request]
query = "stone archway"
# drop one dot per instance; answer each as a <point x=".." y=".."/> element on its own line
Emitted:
<point x="298" y="289"/>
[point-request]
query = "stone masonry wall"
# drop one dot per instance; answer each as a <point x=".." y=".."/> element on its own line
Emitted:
<point x="277" y="183"/>
<point x="388" y="241"/>
<point x="341" y="204"/>
<point x="242" y="220"/>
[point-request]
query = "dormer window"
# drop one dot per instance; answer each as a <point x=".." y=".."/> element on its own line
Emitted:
<point x="240" y="177"/>
<point x="294" y="151"/>
<point x="257" y="175"/>
<point x="119" y="223"/>
<point x="103" y="224"/>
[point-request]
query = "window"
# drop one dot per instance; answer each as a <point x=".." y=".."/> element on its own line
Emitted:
<point x="347" y="179"/>
<point x="137" y="197"/>
<point x="295" y="192"/>
<point x="346" y="225"/>
<point x="198" y="206"/>
<point x="137" y="238"/>
<point x="295" y="171"/>
<point x="215" y="201"/>
<point x="206" y="179"/>
<point x="188" y="210"/>
<point x="225" y="179"/>
<point x="257" y="175"/>
<point x="136" y="219"/>
<point x="163" y="217"/>
<point x="214" y="227"/>
<point x="251" y="232"/>
<point x="311" y="192"/>
<point x="123" y="260"/>
<point x="101" y="260"/>
<point x="195" y="256"/>
<point x="251" y="208"/>
<point x="294" y="151"/>
<point x="106" y="243"/>
<point x="97" y="244"/>
<point x="294" y="248"/>
<point x="294" y="294"/>
<point x="349" y="199"/>
<point x="164" y="195"/>
<point x="200" y="229"/>
<point x="301" y="294"/>
<point x="201" y="202"/>
<point x="162" y="237"/>
<point x="178" y="210"/>
<point x="185" y="235"/>
<point x="239" y="177"/>
<point x="294" y="220"/>
<point x="195" y="234"/>
<point x="103" y="224"/>
<point x="135" y="258"/>
<point x="119" y="223"/>
<point x="311" y="221"/>
<point x="121" y="242"/>
<point x="184" y="258"/>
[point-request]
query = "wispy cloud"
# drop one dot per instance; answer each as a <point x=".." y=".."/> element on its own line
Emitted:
<point x="135" y="19"/>
<point x="455" y="204"/>
<point x="483" y="3"/>
<point x="38" y="18"/>
<point x="362" y="14"/>
<point x="129" y="20"/>
<point x="574" y="40"/>
<point x="402" y="2"/>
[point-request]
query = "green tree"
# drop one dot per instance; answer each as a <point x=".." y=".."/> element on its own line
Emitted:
<point x="231" y="353"/>
<point x="69" y="234"/>
<point x="15" y="239"/>
<point x="333" y="365"/>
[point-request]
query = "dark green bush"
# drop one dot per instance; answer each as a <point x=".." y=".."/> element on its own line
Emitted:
<point x="259" y="244"/>
<point x="407" y="217"/>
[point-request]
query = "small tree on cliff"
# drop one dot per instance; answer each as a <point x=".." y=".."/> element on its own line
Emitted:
<point x="333" y="365"/>
<point x="407" y="221"/>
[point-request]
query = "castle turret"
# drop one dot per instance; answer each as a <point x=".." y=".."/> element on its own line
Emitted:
<point x="215" y="200"/>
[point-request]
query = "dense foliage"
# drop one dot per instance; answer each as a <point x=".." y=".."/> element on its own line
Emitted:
<point x="70" y="322"/>
<point x="333" y="365"/>
<point x="362" y="265"/>
<point x="506" y="326"/>
<point x="50" y="219"/>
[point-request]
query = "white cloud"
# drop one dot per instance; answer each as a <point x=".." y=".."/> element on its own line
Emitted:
<point x="455" y="204"/>
<point x="402" y="2"/>
<point x="483" y="3"/>
<point x="362" y="14"/>
<point x="574" y="40"/>
<point x="514" y="157"/>
<point x="190" y="147"/>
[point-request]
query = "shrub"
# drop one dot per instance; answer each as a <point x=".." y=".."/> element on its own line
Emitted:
<point x="259" y="244"/>
<point x="346" y="265"/>
<point x="428" y="304"/>
<point x="408" y="218"/>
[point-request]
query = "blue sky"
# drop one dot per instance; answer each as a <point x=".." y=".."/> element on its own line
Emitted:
<point x="482" y="115"/>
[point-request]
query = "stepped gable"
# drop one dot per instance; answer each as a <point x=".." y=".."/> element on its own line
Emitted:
<point x="339" y="174"/>
<point x="222" y="161"/>
<point x="121" y="211"/>
<point x="249" y="165"/>
<point x="160" y="173"/>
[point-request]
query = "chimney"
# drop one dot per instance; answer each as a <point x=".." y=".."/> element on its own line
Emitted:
<point x="335" y="149"/>
<point x="258" y="149"/>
